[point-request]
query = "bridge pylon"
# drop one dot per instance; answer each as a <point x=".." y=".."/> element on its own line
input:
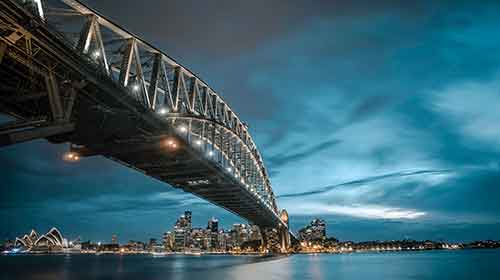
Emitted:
<point x="277" y="240"/>
<point x="284" y="232"/>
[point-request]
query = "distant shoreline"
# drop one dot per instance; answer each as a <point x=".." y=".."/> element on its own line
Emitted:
<point x="235" y="255"/>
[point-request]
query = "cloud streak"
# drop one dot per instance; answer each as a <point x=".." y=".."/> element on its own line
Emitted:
<point x="281" y="160"/>
<point x="365" y="211"/>
<point x="473" y="107"/>
<point x="366" y="180"/>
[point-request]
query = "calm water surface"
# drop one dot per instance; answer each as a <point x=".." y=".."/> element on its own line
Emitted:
<point x="466" y="264"/>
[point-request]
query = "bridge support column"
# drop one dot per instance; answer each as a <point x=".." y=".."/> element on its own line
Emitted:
<point x="284" y="239"/>
<point x="271" y="240"/>
<point x="284" y="232"/>
<point x="264" y="240"/>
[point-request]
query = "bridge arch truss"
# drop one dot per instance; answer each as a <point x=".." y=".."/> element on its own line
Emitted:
<point x="156" y="81"/>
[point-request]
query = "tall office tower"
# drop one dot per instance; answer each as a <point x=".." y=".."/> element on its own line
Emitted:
<point x="213" y="225"/>
<point x="187" y="216"/>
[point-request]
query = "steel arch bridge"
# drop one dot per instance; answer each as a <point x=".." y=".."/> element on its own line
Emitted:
<point x="69" y="74"/>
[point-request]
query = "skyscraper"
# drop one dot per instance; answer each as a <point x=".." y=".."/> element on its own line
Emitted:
<point x="187" y="215"/>
<point x="213" y="225"/>
<point x="212" y="234"/>
<point x="182" y="231"/>
<point x="316" y="230"/>
<point x="239" y="234"/>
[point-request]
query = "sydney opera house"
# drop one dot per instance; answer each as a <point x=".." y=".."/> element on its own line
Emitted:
<point x="49" y="242"/>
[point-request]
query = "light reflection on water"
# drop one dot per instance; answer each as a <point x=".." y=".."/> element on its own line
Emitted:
<point x="473" y="264"/>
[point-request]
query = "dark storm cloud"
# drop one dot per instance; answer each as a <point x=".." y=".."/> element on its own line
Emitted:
<point x="226" y="28"/>
<point x="280" y="160"/>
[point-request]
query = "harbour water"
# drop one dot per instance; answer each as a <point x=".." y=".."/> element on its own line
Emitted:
<point x="459" y="264"/>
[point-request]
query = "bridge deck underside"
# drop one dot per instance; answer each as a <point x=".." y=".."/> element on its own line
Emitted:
<point x="182" y="168"/>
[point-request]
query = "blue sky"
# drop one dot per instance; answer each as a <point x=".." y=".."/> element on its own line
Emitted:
<point x="380" y="118"/>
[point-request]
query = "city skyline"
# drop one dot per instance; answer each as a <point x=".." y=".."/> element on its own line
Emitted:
<point x="185" y="238"/>
<point x="313" y="231"/>
<point x="386" y="128"/>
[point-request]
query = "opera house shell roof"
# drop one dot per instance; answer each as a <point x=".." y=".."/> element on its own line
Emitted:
<point x="53" y="239"/>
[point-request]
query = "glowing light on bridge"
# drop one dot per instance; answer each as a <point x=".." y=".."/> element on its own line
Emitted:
<point x="96" y="54"/>
<point x="71" y="156"/>
<point x="162" y="111"/>
<point x="170" y="143"/>
<point x="210" y="154"/>
<point x="182" y="129"/>
<point x="39" y="8"/>
<point x="135" y="87"/>
<point x="198" y="142"/>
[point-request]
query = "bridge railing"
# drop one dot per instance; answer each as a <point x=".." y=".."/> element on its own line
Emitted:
<point x="162" y="85"/>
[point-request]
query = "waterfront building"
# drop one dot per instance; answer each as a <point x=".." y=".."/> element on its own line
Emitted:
<point x="254" y="233"/>
<point x="182" y="232"/>
<point x="135" y="246"/>
<point x="151" y="244"/>
<point x="213" y="234"/>
<point x="185" y="237"/>
<point x="198" y="238"/>
<point x="213" y="225"/>
<point x="180" y="239"/>
<point x="109" y="248"/>
<point x="168" y="241"/>
<point x="155" y="246"/>
<point x="7" y="245"/>
<point x="224" y="241"/>
<point x="239" y="234"/>
<point x="184" y="221"/>
<point x="88" y="246"/>
<point x="315" y="231"/>
<point x="273" y="239"/>
<point x="28" y="240"/>
<point x="53" y="240"/>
